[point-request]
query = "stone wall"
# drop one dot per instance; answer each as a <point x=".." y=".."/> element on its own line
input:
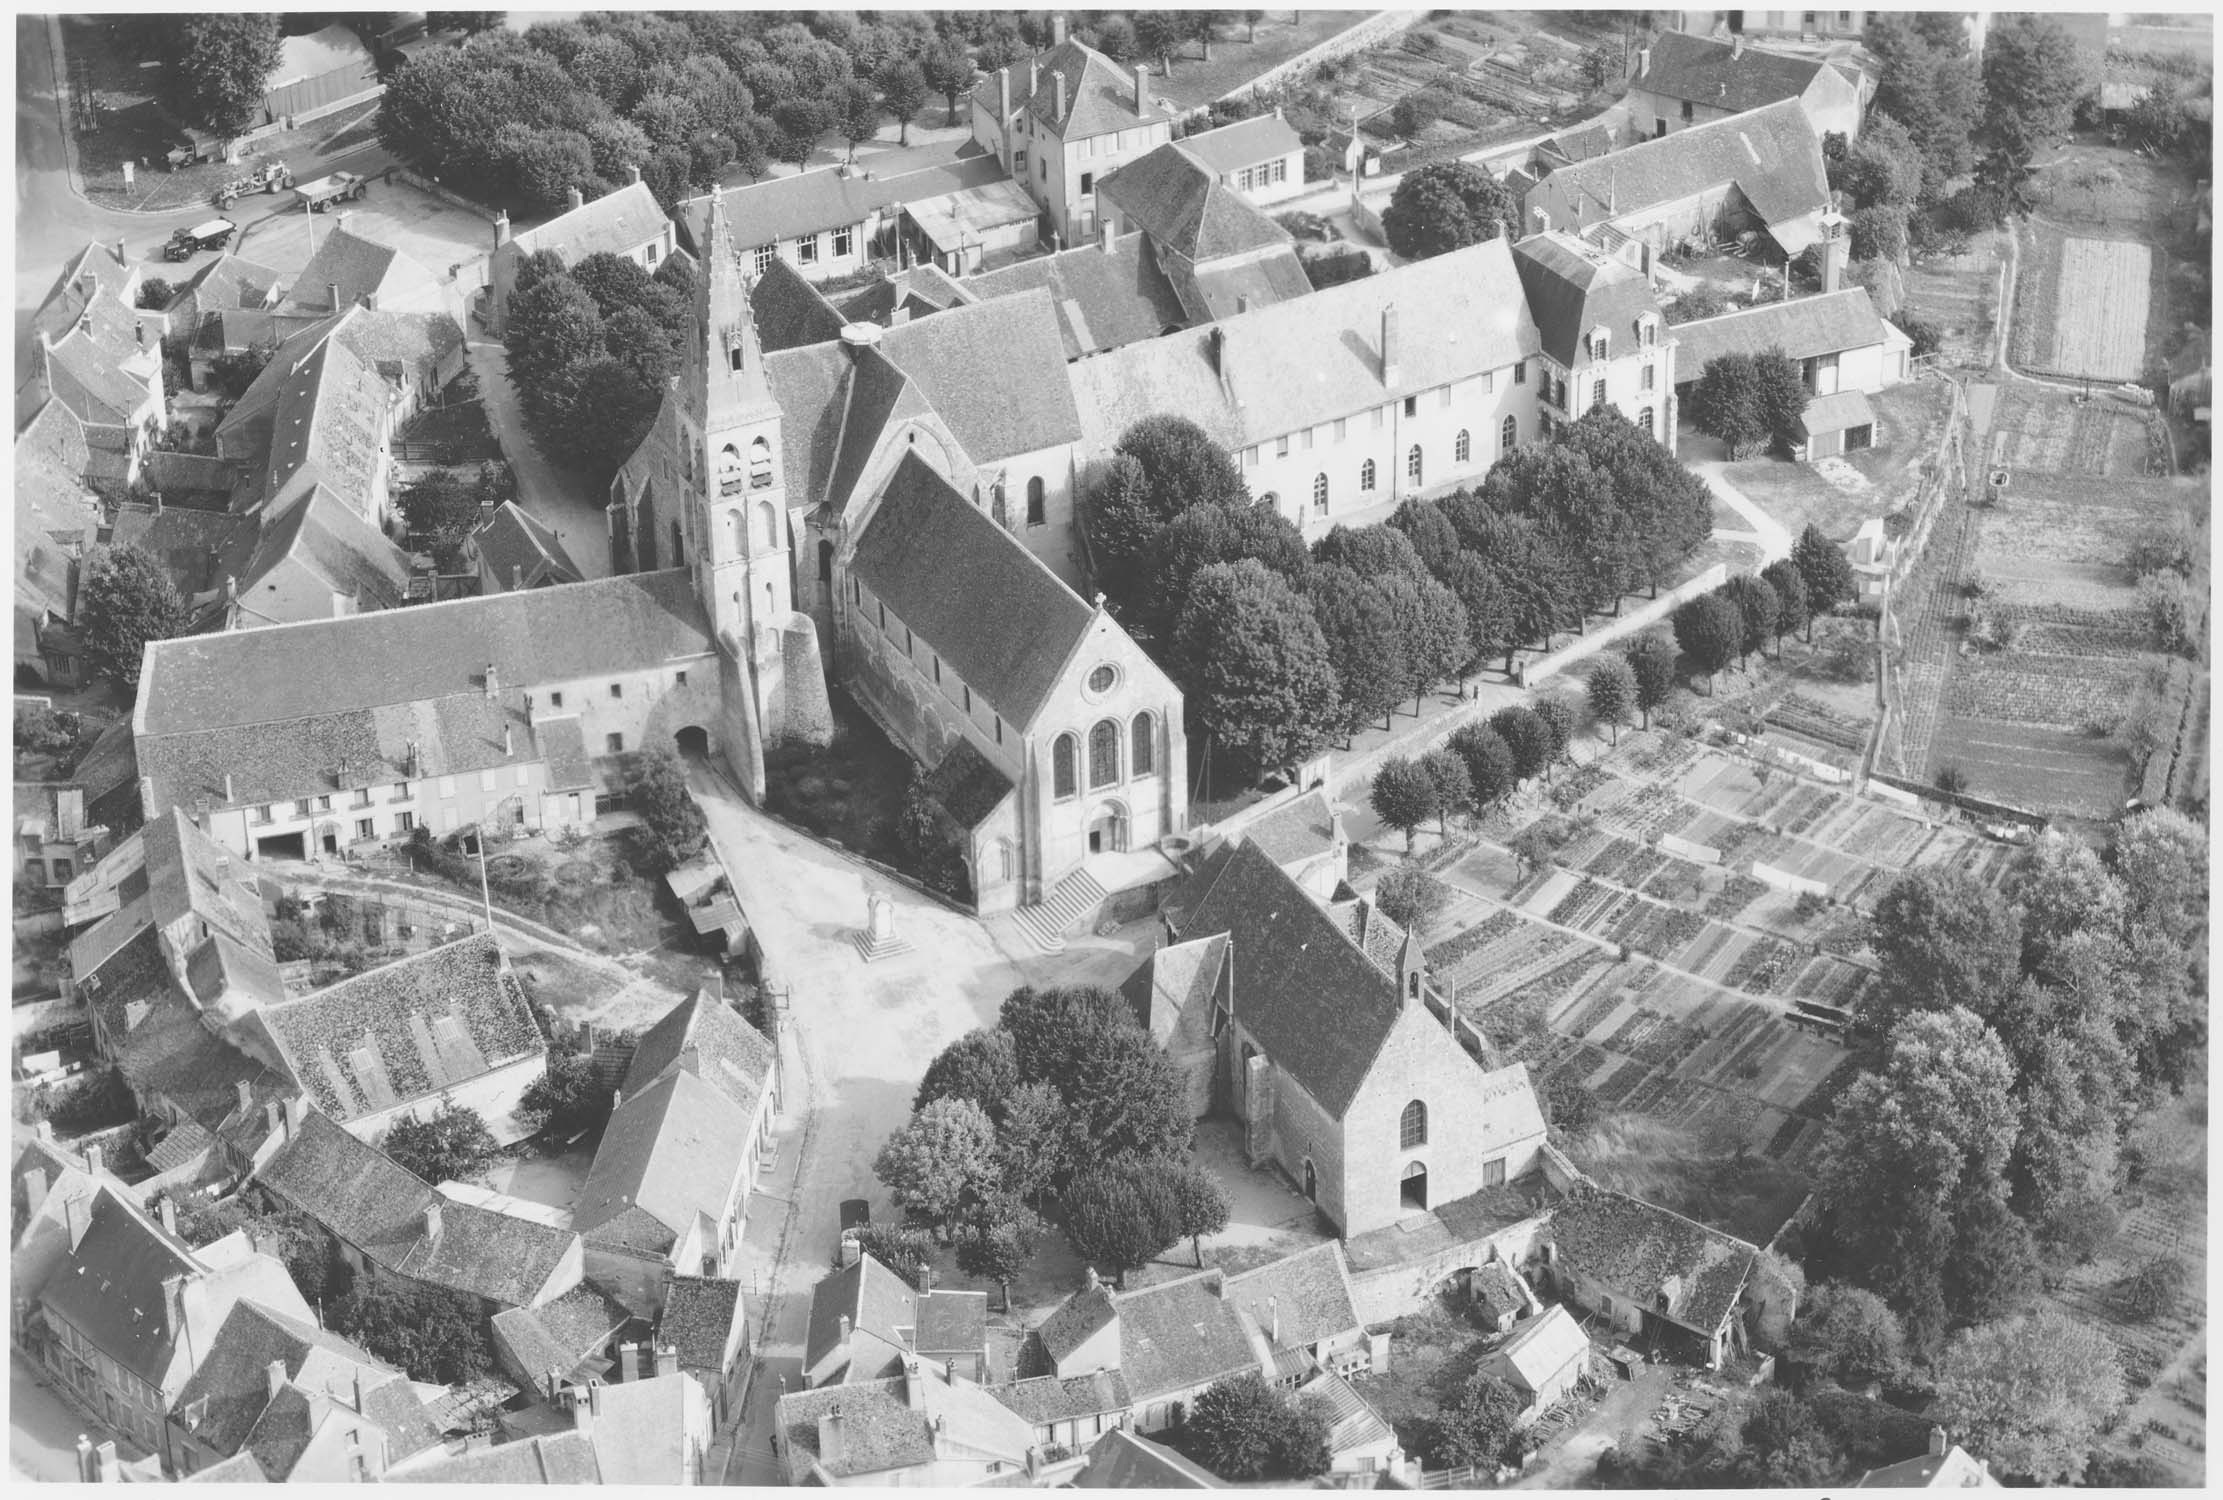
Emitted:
<point x="1393" y="1291"/>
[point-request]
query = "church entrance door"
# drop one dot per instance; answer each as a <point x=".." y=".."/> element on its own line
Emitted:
<point x="1413" y="1188"/>
<point x="1107" y="831"/>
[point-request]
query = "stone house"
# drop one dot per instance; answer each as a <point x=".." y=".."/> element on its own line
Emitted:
<point x="351" y="270"/>
<point x="1069" y="1414"/>
<point x="1261" y="157"/>
<point x="1219" y="251"/>
<point x="865" y="1322"/>
<point x="312" y="556"/>
<point x="1654" y="1277"/>
<point x="516" y="550"/>
<point x="628" y="222"/>
<point x="706" y="1327"/>
<point x="54" y="839"/>
<point x="1604" y="339"/>
<point x="100" y="356"/>
<point x="1169" y="1342"/>
<point x="914" y="1429"/>
<point x="1359" y="1441"/>
<point x="1845" y="352"/>
<point x="1301" y="1317"/>
<point x="1542" y="1358"/>
<point x="1683" y="80"/>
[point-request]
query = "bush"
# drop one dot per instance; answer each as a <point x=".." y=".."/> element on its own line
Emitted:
<point x="1950" y="778"/>
<point x="1926" y="336"/>
<point x="1305" y="226"/>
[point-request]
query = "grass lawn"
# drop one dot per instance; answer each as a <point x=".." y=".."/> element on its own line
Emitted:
<point x="564" y="984"/>
<point x="1194" y="82"/>
<point x="1873" y="482"/>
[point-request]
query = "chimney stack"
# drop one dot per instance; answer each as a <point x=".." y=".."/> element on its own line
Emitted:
<point x="1057" y="83"/>
<point x="1736" y="45"/>
<point x="104" y="1461"/>
<point x="332" y="291"/>
<point x="914" y="1384"/>
<point x="227" y="787"/>
<point x="1543" y="220"/>
<point x="1242" y="302"/>
<point x="88" y="1469"/>
<point x="832" y="1447"/>
<point x="926" y="1280"/>
<point x="169" y="1212"/>
<point x="516" y="577"/>
<point x="139" y="331"/>
<point x="273" y="1116"/>
<point x="1003" y="116"/>
<point x="1034" y="78"/>
<point x="1142" y="89"/>
<point x="574" y="200"/>
<point x="845" y="1328"/>
<point x="629" y="1362"/>
<point x="1389" y="346"/>
<point x="493" y="682"/>
<point x="1057" y="31"/>
<point x="1107" y="234"/>
<point x="501" y="229"/>
<point x="1937" y="1442"/>
<point x="277" y="1374"/>
<point x="95" y="1159"/>
<point x="432" y="1220"/>
<point x="1094" y="1281"/>
<point x="1643" y="61"/>
<point x="76" y="1218"/>
<point x="509" y="741"/>
<point x="632" y="172"/>
<point x="1273" y="1321"/>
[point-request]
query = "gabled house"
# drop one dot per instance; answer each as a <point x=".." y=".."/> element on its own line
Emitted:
<point x="912" y="1429"/>
<point x="354" y="270"/>
<point x="1654" y="1277"/>
<point x="564" y="1458"/>
<point x="1359" y="1441"/>
<point x="865" y="1322"/>
<point x="1301" y="1316"/>
<point x="1107" y="293"/>
<point x="1845" y="353"/>
<point x="1121" y="1460"/>
<point x="1261" y="157"/>
<point x="705" y="1325"/>
<point x="1543" y="1358"/>
<point x="1945" y="1466"/>
<point x="100" y="356"/>
<point x="59" y="515"/>
<point x="1071" y="1413"/>
<point x="627" y="222"/>
<point x="53" y="837"/>
<point x="519" y="551"/>
<point x="1169" y="1341"/>
<point x="1605" y="340"/>
<point x="560" y="1344"/>
<point x="1220" y="252"/>
<point x="1683" y="80"/>
<point x="1306" y="838"/>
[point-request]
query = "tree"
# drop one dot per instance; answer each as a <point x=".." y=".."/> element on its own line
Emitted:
<point x="1480" y="1429"/>
<point x="1825" y="570"/>
<point x="443" y="509"/>
<point x="904" y="1249"/>
<point x="154" y="294"/>
<point x="1446" y="206"/>
<point x="2160" y="855"/>
<point x="553" y="327"/>
<point x="1198" y="1205"/>
<point x="125" y="601"/>
<point x="1929" y="83"/>
<point x="1193" y="541"/>
<point x="432" y="1333"/>
<point x="999" y="1242"/>
<point x="235" y="372"/>
<point x="1490" y="766"/>
<point x="1241" y="1428"/>
<point x="470" y="22"/>
<point x="1757" y="608"/>
<point x="671" y="822"/>
<point x="903" y="91"/>
<point x="2156" y="1287"/>
<point x="1791" y="615"/>
<point x="566" y="1098"/>
<point x="857" y="113"/>
<point x="1652" y="658"/>
<point x="1849" y="1334"/>
<point x="1527" y="736"/>
<point x="982" y="1065"/>
<point x="1402" y="795"/>
<point x="1780" y="388"/>
<point x="1250" y="657"/>
<point x="1358" y="622"/>
<point x="452" y="1144"/>
<point x="1943" y="939"/>
<point x="1120" y="1093"/>
<point x="1879" y="232"/>
<point x="949" y="71"/>
<point x="1702" y="301"/>
<point x="940" y="1164"/>
<point x="1726" y="402"/>
<point x="1709" y="629"/>
<point x="1611" y="689"/>
<point x="2033" y="78"/>
<point x="1033" y="1140"/>
<point x="1883" y="168"/>
<point x="2030" y="1395"/>
<point x="1411" y="897"/>
<point x="1158" y="33"/>
<point x="797" y="125"/>
<point x="218" y="69"/>
<point x="1121" y="1217"/>
<point x="1557" y="715"/>
<point x="1447" y="774"/>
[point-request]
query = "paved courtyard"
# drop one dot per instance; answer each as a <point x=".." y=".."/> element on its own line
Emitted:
<point x="277" y="232"/>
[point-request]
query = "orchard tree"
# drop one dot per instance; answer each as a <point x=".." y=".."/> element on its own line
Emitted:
<point x="1199" y="1207"/>
<point x="2031" y="1395"/>
<point x="1826" y="572"/>
<point x="1411" y="897"/>
<point x="948" y="69"/>
<point x="1849" y="1334"/>
<point x="999" y="1242"/>
<point x="1709" y="629"/>
<point x="1651" y="657"/>
<point x="1557" y="715"/>
<point x="1527" y="736"/>
<point x="672" y="826"/>
<point x="1491" y="771"/>
<point x="2160" y="855"/>
<point x="125" y="601"/>
<point x="452" y="1144"/>
<point x="1611" y="689"/>
<point x="1403" y="796"/>
<point x="1250" y="657"/>
<point x="1791" y="614"/>
<point x="942" y="1163"/>
<point x="1479" y="1429"/>
<point x="1447" y="206"/>
<point x="218" y="68"/>
<point x="444" y="510"/>
<point x="1159" y="33"/>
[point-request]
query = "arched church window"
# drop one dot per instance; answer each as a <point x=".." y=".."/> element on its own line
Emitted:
<point x="768" y="521"/>
<point x="1064" y="766"/>
<point x="729" y="469"/>
<point x="1144" y="757"/>
<point x="736" y="542"/>
<point x="1037" y="502"/>
<point x="1412" y="1126"/>
<point x="1103" y="753"/>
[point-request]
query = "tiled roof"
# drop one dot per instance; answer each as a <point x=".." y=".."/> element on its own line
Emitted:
<point x="1223" y="288"/>
<point x="698" y="1318"/>
<point x="640" y="1435"/>
<point x="1723" y="75"/>
<point x="874" y="1299"/>
<point x="1299" y="830"/>
<point x="788" y="311"/>
<point x="1835" y="412"/>
<point x="672" y="1151"/>
<point x="1076" y="1320"/>
<point x="879" y="1433"/>
<point x="1540" y="1348"/>
<point x="406" y="347"/>
<point x="1828" y="324"/>
<point x="1645" y="1254"/>
<point x="1003" y="621"/>
<point x="1180" y="202"/>
<point x="353" y="1189"/>
<point x="565" y="1458"/>
<point x="1578" y="145"/>
<point x="110" y="1287"/>
<point x="831" y="198"/>
<point x="709" y="1038"/>
<point x="363" y="267"/>
<point x="407" y="1030"/>
<point x="226" y="1395"/>
<point x="499" y="1257"/>
<point x="1498" y="1289"/>
<point x="1351" y="1422"/>
<point x="1310" y="1294"/>
<point x="1046" y="1399"/>
<point x="1771" y="154"/>
<point x="1103" y="299"/>
<point x="1121" y="1460"/>
<point x="620" y="222"/>
<point x="517" y="547"/>
<point x="921" y="290"/>
<point x="994" y="371"/>
<point x="1099" y="94"/>
<point x="340" y="550"/>
<point x="1954" y="1469"/>
<point x="967" y="784"/>
<point x="1180" y="1334"/>
<point x="1174" y="982"/>
<point x="1244" y="394"/>
<point x="951" y="1323"/>
<point x="240" y="1468"/>
<point x="566" y="1335"/>
<point x="228" y="283"/>
<point x="1573" y="288"/>
<point x="328" y="425"/>
<point x="1244" y="143"/>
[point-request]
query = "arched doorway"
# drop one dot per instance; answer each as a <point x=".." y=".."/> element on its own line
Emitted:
<point x="1412" y="1188"/>
<point x="1107" y="831"/>
<point x="694" y="741"/>
<point x="1311" y="1181"/>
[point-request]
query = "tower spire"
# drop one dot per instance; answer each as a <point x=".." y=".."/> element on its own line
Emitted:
<point x="735" y="388"/>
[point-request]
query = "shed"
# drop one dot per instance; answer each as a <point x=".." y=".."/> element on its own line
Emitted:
<point x="962" y="232"/>
<point x="1836" y="424"/>
<point x="1543" y="1359"/>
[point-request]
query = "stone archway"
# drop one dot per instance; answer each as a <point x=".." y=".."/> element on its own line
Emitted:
<point x="1108" y="829"/>
<point x="1412" y="1186"/>
<point x="694" y="741"/>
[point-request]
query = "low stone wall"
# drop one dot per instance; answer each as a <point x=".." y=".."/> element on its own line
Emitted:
<point x="1784" y="880"/>
<point x="1643" y="617"/>
<point x="1389" y="1292"/>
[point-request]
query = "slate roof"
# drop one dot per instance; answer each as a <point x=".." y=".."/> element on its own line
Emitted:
<point x="353" y="1189"/>
<point x="499" y="1257"/>
<point x="1221" y="288"/>
<point x="875" y="1299"/>
<point x="1099" y="94"/>
<point x="1299" y="830"/>
<point x="566" y="1458"/>
<point x="994" y="372"/>
<point x="233" y="1382"/>
<point x="1722" y="75"/>
<point x="363" y="267"/>
<point x="967" y="784"/>
<point x="1317" y="358"/>
<point x="1174" y="982"/>
<point x="698" y="1318"/>
<point x="709" y="1038"/>
<point x="1180" y="1334"/>
<point x="1003" y="621"/>
<point x="1827" y="324"/>
<point x="640" y="1434"/>
<point x="283" y="708"/>
<point x="1540" y="1348"/>
<point x="1310" y="1292"/>
<point x="1639" y="1251"/>
<point x="1045" y="1398"/>
<point x="566" y="1335"/>
<point x="879" y="1432"/>
<point x="1178" y="200"/>
<point x="513" y="543"/>
<point x="1076" y="1320"/>
<point x="813" y="202"/>
<point x="1103" y="299"/>
<point x="671" y="1151"/>
<point x="1244" y="143"/>
<point x="405" y="347"/>
<point x="340" y="551"/>
<point x="1836" y="412"/>
<point x="1771" y="154"/>
<point x="1573" y="288"/>
<point x="1576" y="145"/>
<point x="788" y="311"/>
<point x="1121" y="1460"/>
<point x="620" y="221"/>
<point x="110" y="1287"/>
<point x="406" y="1030"/>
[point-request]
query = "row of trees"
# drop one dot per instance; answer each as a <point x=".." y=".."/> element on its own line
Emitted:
<point x="1749" y="611"/>
<point x="1280" y="648"/>
<point x="589" y="348"/>
<point x="1066" y="1100"/>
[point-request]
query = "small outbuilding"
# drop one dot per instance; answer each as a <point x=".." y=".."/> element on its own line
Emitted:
<point x="1543" y="1359"/>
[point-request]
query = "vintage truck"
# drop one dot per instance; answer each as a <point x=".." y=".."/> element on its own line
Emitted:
<point x="215" y="234"/>
<point x="267" y="177"/>
<point x="338" y="187"/>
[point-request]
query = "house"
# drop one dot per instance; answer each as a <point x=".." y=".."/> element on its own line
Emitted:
<point x="560" y="1344"/>
<point x="628" y="222"/>
<point x="865" y="1321"/>
<point x="1344" y="1066"/>
<point x="1498" y="1296"/>
<point x="912" y="1429"/>
<point x="1605" y="341"/>
<point x="1220" y="252"/>
<point x="129" y="1313"/>
<point x="318" y="73"/>
<point x="1683" y="80"/>
<point x="837" y="221"/>
<point x="503" y="709"/>
<point x="670" y="1181"/>
<point x="1810" y="25"/>
<point x="1650" y="1274"/>
<point x="1383" y="416"/>
<point x="1168" y="1341"/>
<point x="311" y="557"/>
<point x="1261" y="157"/>
<point x="1107" y="293"/>
<point x="1561" y="150"/>
<point x="59" y="514"/>
<point x="1760" y="170"/>
<point x="518" y="551"/>
<point x="50" y="1192"/>
<point x="305" y="1404"/>
<point x="651" y="1431"/>
<point x="1063" y="120"/>
<point x="1359" y="1441"/>
<point x="353" y="270"/>
<point x="99" y="356"/>
<point x="1123" y="1461"/>
<point x="53" y="837"/>
<point x="1301" y="1317"/>
<point x="1068" y="1414"/>
<point x="1946" y="1466"/>
<point x="1846" y="353"/>
<point x="1544" y="1358"/>
<point x="891" y="298"/>
<point x="447" y="1025"/>
<point x="971" y="229"/>
<point x="565" y="1458"/>
<point x="706" y="1327"/>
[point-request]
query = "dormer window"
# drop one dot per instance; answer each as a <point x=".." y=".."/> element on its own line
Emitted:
<point x="1648" y="330"/>
<point x="1600" y="340"/>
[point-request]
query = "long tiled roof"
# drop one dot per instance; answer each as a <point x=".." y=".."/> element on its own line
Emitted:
<point x="1573" y="288"/>
<point x="1244" y="143"/>
<point x="1122" y="1460"/>
<point x="565" y="1458"/>
<point x="327" y="426"/>
<point x="1180" y="1334"/>
<point x="698" y="1318"/>
<point x="1003" y="621"/>
<point x="1298" y="830"/>
<point x="874" y="1299"/>
<point x="1099" y="94"/>
<point x="671" y="1151"/>
<point x="879" y="1432"/>
<point x="407" y="1030"/>
<point x="1045" y="1398"/>
<point x="1771" y="154"/>
<point x="1104" y="298"/>
<point x="1649" y="1254"/>
<point x="619" y="222"/>
<point x="1317" y="358"/>
<point x="495" y="1256"/>
<point x="1077" y="1319"/>
<point x="1828" y="324"/>
<point x="226" y="1395"/>
<point x="1180" y="202"/>
<point x="994" y="372"/>
<point x="789" y="312"/>
<point x="362" y="267"/>
<point x="354" y="1190"/>
<point x="1308" y="1292"/>
<point x="831" y="198"/>
<point x="340" y="552"/>
<point x="1223" y="288"/>
<point x="709" y="1038"/>
<point x="1723" y="75"/>
<point x="565" y="1335"/>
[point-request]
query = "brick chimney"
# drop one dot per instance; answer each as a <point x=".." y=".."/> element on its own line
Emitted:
<point x="493" y="682"/>
<point x="332" y="294"/>
<point x="277" y="1377"/>
<point x="574" y="200"/>
<point x="914" y="1384"/>
<point x="1543" y="220"/>
<point x="169" y="1212"/>
<point x="832" y="1441"/>
<point x="1736" y="45"/>
<point x="1643" y="61"/>
<point x="432" y="1220"/>
<point x="1389" y="346"/>
<point x="1057" y="31"/>
<point x="1107" y="235"/>
<point x="926" y="1280"/>
<point x="501" y="229"/>
<point x="1057" y="84"/>
<point x="1142" y="89"/>
<point x="1937" y="1442"/>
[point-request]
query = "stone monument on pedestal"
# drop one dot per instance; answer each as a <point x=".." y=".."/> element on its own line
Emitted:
<point x="878" y="939"/>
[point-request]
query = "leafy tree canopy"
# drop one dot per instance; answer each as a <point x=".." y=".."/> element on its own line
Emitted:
<point x="1446" y="206"/>
<point x="452" y="1144"/>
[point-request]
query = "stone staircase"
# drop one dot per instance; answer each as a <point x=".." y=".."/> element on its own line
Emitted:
<point x="1049" y="924"/>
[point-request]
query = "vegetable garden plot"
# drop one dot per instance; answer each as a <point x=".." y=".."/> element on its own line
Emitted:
<point x="2041" y="767"/>
<point x="2018" y="688"/>
<point x="2100" y="312"/>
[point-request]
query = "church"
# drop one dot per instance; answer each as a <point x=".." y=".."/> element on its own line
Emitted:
<point x="859" y="501"/>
